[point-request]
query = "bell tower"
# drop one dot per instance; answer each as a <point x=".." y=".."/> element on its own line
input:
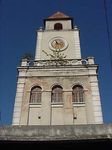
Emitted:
<point x="58" y="87"/>
<point x="58" y="28"/>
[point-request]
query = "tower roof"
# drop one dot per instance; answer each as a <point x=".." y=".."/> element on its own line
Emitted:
<point x="58" y="15"/>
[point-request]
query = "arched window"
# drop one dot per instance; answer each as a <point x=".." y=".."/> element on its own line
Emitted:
<point x="58" y="26"/>
<point x="57" y="94"/>
<point x="35" y="95"/>
<point x="78" y="94"/>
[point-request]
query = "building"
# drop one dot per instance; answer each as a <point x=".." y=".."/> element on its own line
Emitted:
<point x="58" y="87"/>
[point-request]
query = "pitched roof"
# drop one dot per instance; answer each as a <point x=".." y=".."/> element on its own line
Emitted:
<point x="58" y="15"/>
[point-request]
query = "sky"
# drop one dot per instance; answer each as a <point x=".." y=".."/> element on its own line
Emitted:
<point x="19" y="21"/>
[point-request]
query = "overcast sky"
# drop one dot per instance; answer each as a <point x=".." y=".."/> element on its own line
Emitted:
<point x="19" y="20"/>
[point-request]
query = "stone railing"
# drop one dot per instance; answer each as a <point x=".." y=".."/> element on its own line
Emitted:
<point x="56" y="62"/>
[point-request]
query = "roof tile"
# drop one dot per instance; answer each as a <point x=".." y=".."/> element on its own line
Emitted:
<point x="58" y="15"/>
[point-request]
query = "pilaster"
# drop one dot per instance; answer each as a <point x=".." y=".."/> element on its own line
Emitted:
<point x="38" y="45"/>
<point x="77" y="43"/>
<point x="18" y="101"/>
<point x="96" y="100"/>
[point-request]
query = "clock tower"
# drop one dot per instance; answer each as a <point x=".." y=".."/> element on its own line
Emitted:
<point x="58" y="30"/>
<point x="58" y="87"/>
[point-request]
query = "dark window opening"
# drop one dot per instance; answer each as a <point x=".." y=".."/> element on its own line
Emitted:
<point x="58" y="26"/>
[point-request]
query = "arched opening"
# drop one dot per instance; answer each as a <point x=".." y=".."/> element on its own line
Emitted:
<point x="58" y="26"/>
<point x="77" y="94"/>
<point x="35" y="94"/>
<point x="57" y="94"/>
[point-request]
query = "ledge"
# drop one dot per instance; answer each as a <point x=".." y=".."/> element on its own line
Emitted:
<point x="57" y="62"/>
<point x="56" y="133"/>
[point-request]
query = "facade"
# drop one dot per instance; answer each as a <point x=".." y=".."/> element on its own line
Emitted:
<point x="58" y="87"/>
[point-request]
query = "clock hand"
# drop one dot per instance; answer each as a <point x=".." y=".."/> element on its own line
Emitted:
<point x="57" y="42"/>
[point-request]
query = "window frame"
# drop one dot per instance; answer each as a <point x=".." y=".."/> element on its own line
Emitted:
<point x="78" y="94"/>
<point x="35" y="95"/>
<point x="56" y="95"/>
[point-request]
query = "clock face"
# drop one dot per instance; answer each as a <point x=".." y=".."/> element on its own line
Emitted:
<point x="58" y="43"/>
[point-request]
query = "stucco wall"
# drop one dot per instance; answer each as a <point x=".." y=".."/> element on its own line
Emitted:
<point x="46" y="113"/>
<point x="56" y="133"/>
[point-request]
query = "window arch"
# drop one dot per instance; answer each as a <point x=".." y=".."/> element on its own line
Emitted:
<point x="58" y="26"/>
<point x="35" y="94"/>
<point x="57" y="94"/>
<point x="78" y="94"/>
